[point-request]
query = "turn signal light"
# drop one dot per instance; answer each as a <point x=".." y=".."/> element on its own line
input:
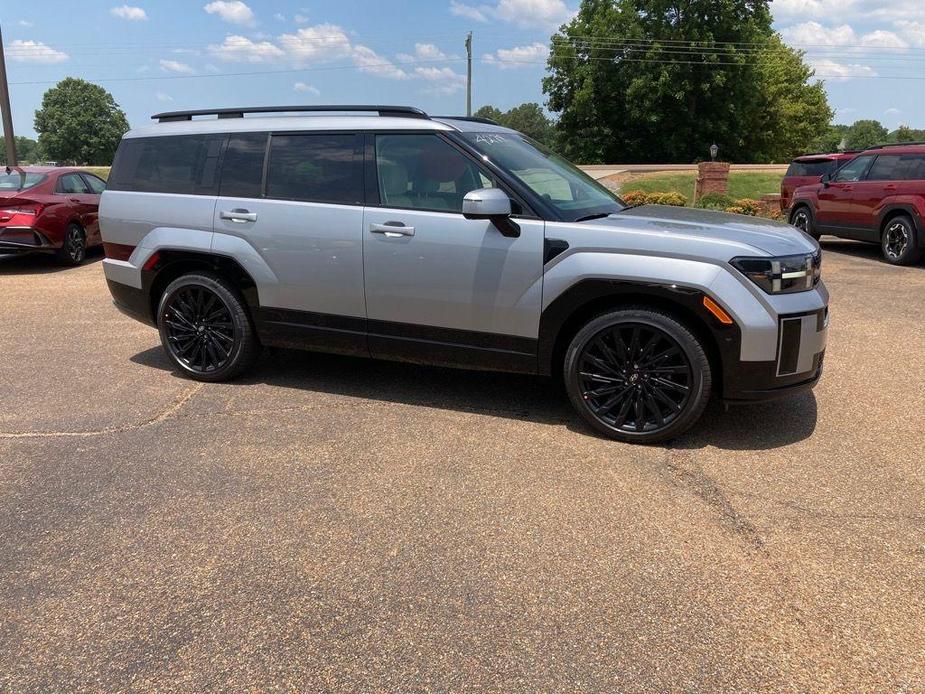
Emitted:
<point x="717" y="311"/>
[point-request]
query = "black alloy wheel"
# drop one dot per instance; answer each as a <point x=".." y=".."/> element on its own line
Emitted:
<point x="74" y="249"/>
<point x="638" y="375"/>
<point x="802" y="219"/>
<point x="898" y="242"/>
<point x="205" y="328"/>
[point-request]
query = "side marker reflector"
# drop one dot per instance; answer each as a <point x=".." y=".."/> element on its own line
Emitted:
<point x="717" y="311"/>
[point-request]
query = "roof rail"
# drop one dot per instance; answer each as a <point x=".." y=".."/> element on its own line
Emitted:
<point x="884" y="145"/>
<point x="470" y="119"/>
<point x="828" y="154"/>
<point x="395" y="111"/>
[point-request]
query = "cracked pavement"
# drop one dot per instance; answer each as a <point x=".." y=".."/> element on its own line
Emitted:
<point x="338" y="524"/>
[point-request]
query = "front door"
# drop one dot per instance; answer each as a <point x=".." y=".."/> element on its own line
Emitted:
<point x="440" y="287"/>
<point x="838" y="212"/>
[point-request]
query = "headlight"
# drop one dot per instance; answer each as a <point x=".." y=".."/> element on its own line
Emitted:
<point x="784" y="275"/>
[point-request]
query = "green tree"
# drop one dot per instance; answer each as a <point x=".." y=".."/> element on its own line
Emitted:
<point x="528" y="118"/>
<point x="906" y="134"/>
<point x="831" y="139"/>
<point x="79" y="122"/>
<point x="27" y="151"/>
<point x="864" y="133"/>
<point x="659" y="80"/>
<point x="793" y="109"/>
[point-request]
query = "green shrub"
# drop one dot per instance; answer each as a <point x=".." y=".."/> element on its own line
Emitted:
<point x="716" y="201"/>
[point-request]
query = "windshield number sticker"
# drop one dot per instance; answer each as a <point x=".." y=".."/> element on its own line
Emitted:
<point x="490" y="139"/>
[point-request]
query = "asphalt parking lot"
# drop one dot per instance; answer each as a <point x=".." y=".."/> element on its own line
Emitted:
<point x="333" y="523"/>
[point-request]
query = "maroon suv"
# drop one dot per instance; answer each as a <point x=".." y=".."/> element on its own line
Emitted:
<point x="808" y="169"/>
<point x="49" y="210"/>
<point x="878" y="197"/>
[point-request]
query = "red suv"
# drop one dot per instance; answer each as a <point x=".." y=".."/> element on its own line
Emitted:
<point x="808" y="169"/>
<point x="879" y="197"/>
<point x="49" y="210"/>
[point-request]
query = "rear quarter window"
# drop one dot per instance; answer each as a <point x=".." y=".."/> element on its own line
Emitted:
<point x="183" y="164"/>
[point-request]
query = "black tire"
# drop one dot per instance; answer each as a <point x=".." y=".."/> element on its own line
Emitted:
<point x="899" y="242"/>
<point x="73" y="250"/>
<point x="802" y="218"/>
<point x="206" y="329"/>
<point x="635" y="394"/>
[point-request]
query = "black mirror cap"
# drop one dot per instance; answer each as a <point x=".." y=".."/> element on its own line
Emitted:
<point x="503" y="223"/>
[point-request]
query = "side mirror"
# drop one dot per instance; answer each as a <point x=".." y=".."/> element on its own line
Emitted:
<point x="492" y="204"/>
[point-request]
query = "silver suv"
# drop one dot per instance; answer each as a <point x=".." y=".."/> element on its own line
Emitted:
<point x="378" y="231"/>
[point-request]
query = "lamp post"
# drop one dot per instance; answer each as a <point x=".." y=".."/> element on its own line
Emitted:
<point x="714" y="150"/>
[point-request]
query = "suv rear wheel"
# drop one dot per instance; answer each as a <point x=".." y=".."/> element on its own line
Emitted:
<point x="637" y="375"/>
<point x="802" y="219"/>
<point x="898" y="242"/>
<point x="205" y="328"/>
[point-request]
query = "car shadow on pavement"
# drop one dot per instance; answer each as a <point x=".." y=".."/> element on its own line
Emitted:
<point x="39" y="264"/>
<point x="528" y="398"/>
<point x="856" y="249"/>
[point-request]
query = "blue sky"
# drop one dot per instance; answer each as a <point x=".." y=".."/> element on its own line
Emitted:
<point x="156" y="55"/>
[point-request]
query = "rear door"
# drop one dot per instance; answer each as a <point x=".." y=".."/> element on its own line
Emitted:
<point x="296" y="199"/>
<point x="869" y="193"/>
<point x="440" y="287"/>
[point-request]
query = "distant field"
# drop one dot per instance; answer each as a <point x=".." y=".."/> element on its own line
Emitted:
<point x="750" y="184"/>
<point x="101" y="171"/>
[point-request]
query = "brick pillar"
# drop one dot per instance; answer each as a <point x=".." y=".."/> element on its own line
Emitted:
<point x="712" y="177"/>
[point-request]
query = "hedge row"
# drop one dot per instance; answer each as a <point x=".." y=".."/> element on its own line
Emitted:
<point x="711" y="201"/>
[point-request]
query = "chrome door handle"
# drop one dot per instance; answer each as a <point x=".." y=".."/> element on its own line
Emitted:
<point x="392" y="229"/>
<point x="239" y="216"/>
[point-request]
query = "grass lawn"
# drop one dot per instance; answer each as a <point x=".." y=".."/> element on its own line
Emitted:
<point x="101" y="171"/>
<point x="742" y="184"/>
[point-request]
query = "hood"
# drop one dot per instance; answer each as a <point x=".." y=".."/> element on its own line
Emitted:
<point x="766" y="236"/>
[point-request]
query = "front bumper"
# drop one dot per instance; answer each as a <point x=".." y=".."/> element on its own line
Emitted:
<point x="801" y="343"/>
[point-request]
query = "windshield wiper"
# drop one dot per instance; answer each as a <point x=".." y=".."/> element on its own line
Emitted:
<point x="599" y="215"/>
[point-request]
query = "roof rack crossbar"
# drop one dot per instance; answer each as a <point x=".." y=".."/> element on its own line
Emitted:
<point x="393" y="111"/>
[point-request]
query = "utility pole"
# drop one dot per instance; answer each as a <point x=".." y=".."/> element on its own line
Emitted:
<point x="5" y="109"/>
<point x="469" y="78"/>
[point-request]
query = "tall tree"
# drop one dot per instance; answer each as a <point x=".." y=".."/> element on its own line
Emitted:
<point x="79" y="122"/>
<point x="27" y="151"/>
<point x="528" y="118"/>
<point x="792" y="109"/>
<point x="662" y="80"/>
<point x="864" y="133"/>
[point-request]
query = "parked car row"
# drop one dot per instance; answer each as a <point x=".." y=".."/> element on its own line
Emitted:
<point x="50" y="210"/>
<point x="877" y="195"/>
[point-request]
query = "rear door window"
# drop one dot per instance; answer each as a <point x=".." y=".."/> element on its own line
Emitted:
<point x="885" y="168"/>
<point x="316" y="168"/>
<point x="183" y="164"/>
<point x="911" y="168"/>
<point x="72" y="184"/>
<point x="242" y="166"/>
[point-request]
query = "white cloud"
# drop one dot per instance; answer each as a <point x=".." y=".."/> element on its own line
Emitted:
<point x="132" y="14"/>
<point x="831" y="70"/>
<point x="34" y="52"/>
<point x="812" y="8"/>
<point x="893" y="112"/>
<point x="161" y="96"/>
<point x="518" y="57"/>
<point x="239" y="49"/>
<point x="458" y="9"/>
<point x="176" y="66"/>
<point x="525" y="13"/>
<point x="369" y="61"/>
<point x="443" y="79"/>
<point x="325" y="43"/>
<point x="25" y="23"/>
<point x="810" y="34"/>
<point x="301" y="19"/>
<point x="304" y="88"/>
<point x="913" y="32"/>
<point x="233" y="11"/>
<point x="423" y="52"/>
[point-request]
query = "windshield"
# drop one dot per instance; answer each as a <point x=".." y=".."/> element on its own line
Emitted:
<point x="572" y="193"/>
<point x="15" y="181"/>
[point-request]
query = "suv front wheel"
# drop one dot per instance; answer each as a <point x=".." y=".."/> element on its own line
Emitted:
<point x="802" y="219"/>
<point x="205" y="328"/>
<point x="898" y="242"/>
<point x="637" y="375"/>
